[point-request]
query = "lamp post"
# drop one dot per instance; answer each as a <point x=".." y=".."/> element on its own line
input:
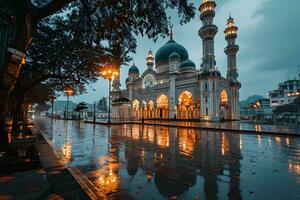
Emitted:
<point x="108" y="72"/>
<point x="94" y="117"/>
<point x="69" y="91"/>
<point x="52" y="99"/>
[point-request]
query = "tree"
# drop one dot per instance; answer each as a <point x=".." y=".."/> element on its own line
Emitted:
<point x="102" y="105"/>
<point x="81" y="107"/>
<point x="53" y="64"/>
<point x="113" y="21"/>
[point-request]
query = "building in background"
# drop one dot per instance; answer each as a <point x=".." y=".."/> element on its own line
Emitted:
<point x="173" y="87"/>
<point x="256" y="108"/>
<point x="286" y="93"/>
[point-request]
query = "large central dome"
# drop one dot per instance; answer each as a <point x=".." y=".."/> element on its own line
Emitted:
<point x="163" y="53"/>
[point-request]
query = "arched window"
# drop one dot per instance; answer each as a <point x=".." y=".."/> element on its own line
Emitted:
<point x="162" y="101"/>
<point x="185" y="98"/>
<point x="206" y="86"/>
<point x="151" y="105"/>
<point x="135" y="104"/>
<point x="223" y="97"/>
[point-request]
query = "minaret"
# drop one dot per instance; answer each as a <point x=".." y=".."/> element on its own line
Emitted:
<point x="174" y="60"/>
<point x="150" y="60"/>
<point x="231" y="49"/>
<point x="207" y="33"/>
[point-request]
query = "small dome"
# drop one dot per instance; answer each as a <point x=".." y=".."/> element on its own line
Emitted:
<point x="163" y="53"/>
<point x="133" y="70"/>
<point x="174" y="56"/>
<point x="127" y="80"/>
<point x="187" y="65"/>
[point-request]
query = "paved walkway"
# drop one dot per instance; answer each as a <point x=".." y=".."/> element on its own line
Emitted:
<point x="61" y="180"/>
<point x="24" y="185"/>
<point x="241" y="127"/>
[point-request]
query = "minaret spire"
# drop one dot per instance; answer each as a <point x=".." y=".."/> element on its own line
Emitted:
<point x="207" y="33"/>
<point x="150" y="60"/>
<point x="170" y="28"/>
<point x="231" y="49"/>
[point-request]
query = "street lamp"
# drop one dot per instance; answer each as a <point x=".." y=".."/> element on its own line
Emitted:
<point x="52" y="99"/>
<point x="94" y="117"/>
<point x="69" y="91"/>
<point x="256" y="105"/>
<point x="108" y="72"/>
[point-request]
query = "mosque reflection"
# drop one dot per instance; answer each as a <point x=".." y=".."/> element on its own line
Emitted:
<point x="173" y="158"/>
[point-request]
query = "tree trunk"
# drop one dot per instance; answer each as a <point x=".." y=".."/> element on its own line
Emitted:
<point x="17" y="115"/>
<point x="18" y="25"/>
<point x="3" y="111"/>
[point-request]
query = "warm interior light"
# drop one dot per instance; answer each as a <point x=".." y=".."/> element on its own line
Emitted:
<point x="23" y="62"/>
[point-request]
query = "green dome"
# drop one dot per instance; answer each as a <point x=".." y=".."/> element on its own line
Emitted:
<point x="174" y="56"/>
<point x="187" y="65"/>
<point x="133" y="70"/>
<point x="163" y="53"/>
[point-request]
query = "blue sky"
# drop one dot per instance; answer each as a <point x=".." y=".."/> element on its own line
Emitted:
<point x="269" y="40"/>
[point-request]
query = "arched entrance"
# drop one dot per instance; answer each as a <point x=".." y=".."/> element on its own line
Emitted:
<point x="135" y="108"/>
<point x="224" y="105"/>
<point x="151" y="109"/>
<point x="162" y="106"/>
<point x="144" y="109"/>
<point x="186" y="105"/>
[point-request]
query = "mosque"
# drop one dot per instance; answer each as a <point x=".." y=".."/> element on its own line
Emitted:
<point x="173" y="87"/>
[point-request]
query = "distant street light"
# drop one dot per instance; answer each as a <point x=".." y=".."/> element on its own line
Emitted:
<point x="109" y="72"/>
<point x="69" y="91"/>
<point x="256" y="105"/>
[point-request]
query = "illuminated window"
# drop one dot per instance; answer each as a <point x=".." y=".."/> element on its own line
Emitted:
<point x="135" y="104"/>
<point x="151" y="105"/>
<point x="224" y="97"/>
<point x="162" y="101"/>
<point x="186" y="99"/>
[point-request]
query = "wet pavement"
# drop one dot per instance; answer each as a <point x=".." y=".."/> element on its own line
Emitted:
<point x="31" y="184"/>
<point x="156" y="162"/>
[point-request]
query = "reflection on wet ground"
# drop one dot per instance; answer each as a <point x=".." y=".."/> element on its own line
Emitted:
<point x="229" y="125"/>
<point x="147" y="162"/>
